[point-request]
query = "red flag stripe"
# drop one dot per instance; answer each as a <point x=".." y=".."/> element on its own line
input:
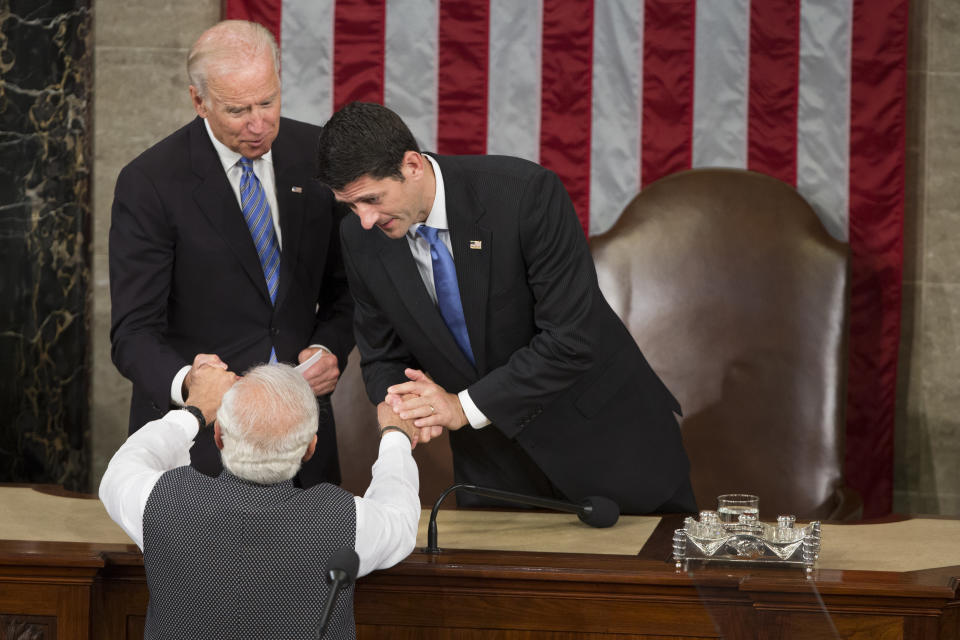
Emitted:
<point x="877" y="152"/>
<point x="266" y="12"/>
<point x="358" y="44"/>
<point x="774" y="78"/>
<point x="566" y="94"/>
<point x="668" y="58"/>
<point x="463" y="42"/>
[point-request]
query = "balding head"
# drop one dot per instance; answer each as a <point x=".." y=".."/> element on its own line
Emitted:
<point x="267" y="423"/>
<point x="227" y="47"/>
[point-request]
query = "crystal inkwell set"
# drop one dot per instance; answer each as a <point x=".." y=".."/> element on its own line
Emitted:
<point x="734" y="533"/>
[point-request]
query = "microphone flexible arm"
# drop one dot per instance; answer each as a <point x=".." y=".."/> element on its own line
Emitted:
<point x="583" y="510"/>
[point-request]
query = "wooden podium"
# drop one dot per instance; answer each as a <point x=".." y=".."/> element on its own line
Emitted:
<point x="52" y="587"/>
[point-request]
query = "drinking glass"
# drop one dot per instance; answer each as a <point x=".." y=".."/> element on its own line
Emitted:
<point x="731" y="505"/>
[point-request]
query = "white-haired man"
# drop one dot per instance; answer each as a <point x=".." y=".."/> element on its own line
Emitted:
<point x="243" y="555"/>
<point x="224" y="248"/>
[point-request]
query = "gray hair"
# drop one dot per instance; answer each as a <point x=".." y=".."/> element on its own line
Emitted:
<point x="228" y="46"/>
<point x="267" y="419"/>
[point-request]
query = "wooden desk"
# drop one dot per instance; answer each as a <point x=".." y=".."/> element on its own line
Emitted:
<point x="93" y="589"/>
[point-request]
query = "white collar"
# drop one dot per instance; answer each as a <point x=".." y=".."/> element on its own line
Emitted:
<point x="438" y="211"/>
<point x="229" y="157"/>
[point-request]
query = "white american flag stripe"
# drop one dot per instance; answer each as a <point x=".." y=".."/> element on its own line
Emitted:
<point x="721" y="79"/>
<point x="615" y="130"/>
<point x="513" y="86"/>
<point x="823" y="111"/>
<point x="410" y="66"/>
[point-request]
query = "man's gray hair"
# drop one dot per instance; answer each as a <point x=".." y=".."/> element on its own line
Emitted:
<point x="229" y="46"/>
<point x="267" y="419"/>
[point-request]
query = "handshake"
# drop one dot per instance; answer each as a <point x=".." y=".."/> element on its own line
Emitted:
<point x="424" y="403"/>
<point x="420" y="408"/>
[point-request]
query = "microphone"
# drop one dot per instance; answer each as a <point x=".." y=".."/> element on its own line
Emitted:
<point x="342" y="570"/>
<point x="595" y="511"/>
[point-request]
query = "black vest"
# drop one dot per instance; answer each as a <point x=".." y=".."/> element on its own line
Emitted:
<point x="231" y="559"/>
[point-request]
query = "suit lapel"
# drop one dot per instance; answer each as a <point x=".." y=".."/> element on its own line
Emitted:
<point x="401" y="268"/>
<point x="216" y="200"/>
<point x="472" y="250"/>
<point x="292" y="206"/>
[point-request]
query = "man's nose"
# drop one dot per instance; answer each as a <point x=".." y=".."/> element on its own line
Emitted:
<point x="368" y="216"/>
<point x="256" y="122"/>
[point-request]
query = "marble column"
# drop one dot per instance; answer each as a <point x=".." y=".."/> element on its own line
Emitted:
<point x="45" y="133"/>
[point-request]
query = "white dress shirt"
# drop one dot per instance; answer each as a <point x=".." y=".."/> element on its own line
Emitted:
<point x="387" y="514"/>
<point x="420" y="249"/>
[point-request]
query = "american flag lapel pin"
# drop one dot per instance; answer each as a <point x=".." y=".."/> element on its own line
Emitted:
<point x="296" y="189"/>
<point x="476" y="244"/>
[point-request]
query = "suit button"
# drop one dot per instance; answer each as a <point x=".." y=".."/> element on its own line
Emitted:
<point x="274" y="331"/>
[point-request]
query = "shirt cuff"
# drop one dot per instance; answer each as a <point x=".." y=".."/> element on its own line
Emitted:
<point x="474" y="416"/>
<point x="394" y="440"/>
<point x="176" y="388"/>
<point x="186" y="421"/>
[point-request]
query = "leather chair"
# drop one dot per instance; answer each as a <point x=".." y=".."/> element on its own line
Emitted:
<point x="738" y="298"/>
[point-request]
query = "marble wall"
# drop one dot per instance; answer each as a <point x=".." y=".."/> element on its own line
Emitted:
<point x="927" y="477"/>
<point x="140" y="81"/>
<point x="141" y="96"/>
<point x="47" y="59"/>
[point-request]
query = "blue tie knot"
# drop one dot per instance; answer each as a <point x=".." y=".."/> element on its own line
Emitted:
<point x="430" y="233"/>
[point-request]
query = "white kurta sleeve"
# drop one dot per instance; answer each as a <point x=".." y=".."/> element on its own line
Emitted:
<point x="388" y="513"/>
<point x="136" y="467"/>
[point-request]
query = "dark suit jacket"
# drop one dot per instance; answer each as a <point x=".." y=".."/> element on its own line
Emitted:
<point x="185" y="277"/>
<point x="556" y="370"/>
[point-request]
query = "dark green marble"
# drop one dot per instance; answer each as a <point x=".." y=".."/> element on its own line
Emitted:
<point x="46" y="59"/>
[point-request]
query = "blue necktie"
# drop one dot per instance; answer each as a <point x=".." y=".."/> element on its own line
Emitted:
<point x="448" y="293"/>
<point x="256" y="211"/>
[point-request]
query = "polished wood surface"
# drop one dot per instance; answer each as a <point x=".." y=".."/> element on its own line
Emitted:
<point x="90" y="590"/>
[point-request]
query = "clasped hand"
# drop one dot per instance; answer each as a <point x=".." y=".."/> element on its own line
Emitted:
<point x="428" y="404"/>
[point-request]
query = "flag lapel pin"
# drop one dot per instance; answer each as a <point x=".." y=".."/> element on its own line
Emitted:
<point x="296" y="189"/>
<point x="476" y="244"/>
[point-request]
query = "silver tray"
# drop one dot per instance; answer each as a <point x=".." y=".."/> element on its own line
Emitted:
<point x="749" y="541"/>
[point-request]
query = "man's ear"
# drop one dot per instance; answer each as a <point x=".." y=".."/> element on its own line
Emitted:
<point x="310" y="448"/>
<point x="197" y="101"/>
<point x="412" y="165"/>
<point x="218" y="440"/>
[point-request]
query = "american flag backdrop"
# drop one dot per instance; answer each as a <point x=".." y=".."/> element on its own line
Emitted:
<point x="614" y="94"/>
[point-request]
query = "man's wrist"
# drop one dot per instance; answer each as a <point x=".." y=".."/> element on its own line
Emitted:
<point x="178" y="391"/>
<point x="475" y="417"/>
<point x="196" y="413"/>
<point x="389" y="428"/>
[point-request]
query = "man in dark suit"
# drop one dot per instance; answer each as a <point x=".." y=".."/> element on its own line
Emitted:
<point x="223" y="246"/>
<point x="478" y="311"/>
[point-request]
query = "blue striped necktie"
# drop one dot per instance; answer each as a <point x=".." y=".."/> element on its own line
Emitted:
<point x="256" y="211"/>
<point x="448" y="292"/>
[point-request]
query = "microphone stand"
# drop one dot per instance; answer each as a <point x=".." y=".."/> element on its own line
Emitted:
<point x="582" y="510"/>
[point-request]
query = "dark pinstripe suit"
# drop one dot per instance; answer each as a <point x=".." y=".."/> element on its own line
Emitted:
<point x="566" y="387"/>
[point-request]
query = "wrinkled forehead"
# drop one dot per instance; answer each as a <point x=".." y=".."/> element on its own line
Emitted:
<point x="252" y="80"/>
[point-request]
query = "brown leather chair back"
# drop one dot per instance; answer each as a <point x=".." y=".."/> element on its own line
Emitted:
<point x="738" y="298"/>
<point x="358" y="438"/>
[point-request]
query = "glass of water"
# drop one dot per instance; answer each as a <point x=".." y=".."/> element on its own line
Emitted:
<point x="731" y="505"/>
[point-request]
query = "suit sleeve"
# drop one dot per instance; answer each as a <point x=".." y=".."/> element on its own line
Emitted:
<point x="383" y="353"/>
<point x="334" y="325"/>
<point x="561" y="275"/>
<point x="142" y="246"/>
